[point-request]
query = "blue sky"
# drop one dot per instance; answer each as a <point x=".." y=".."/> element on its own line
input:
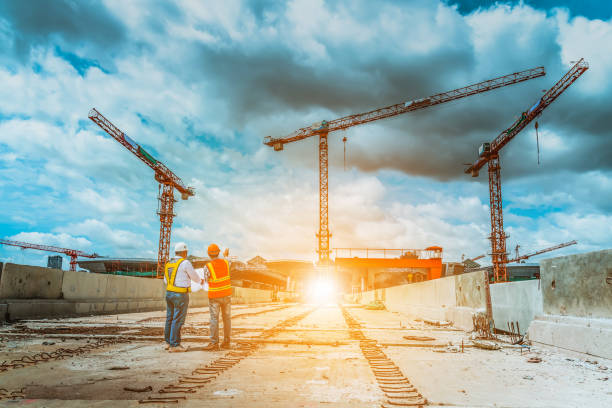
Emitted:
<point x="199" y="84"/>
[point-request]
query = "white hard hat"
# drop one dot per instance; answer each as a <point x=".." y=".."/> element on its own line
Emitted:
<point x="180" y="247"/>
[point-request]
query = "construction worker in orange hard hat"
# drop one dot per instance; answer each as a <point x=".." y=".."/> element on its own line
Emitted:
<point x="219" y="296"/>
<point x="178" y="274"/>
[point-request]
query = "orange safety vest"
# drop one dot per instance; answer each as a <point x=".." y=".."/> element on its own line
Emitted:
<point x="170" y="273"/>
<point x="219" y="283"/>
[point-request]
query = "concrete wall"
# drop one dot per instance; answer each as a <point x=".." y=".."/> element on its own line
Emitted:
<point x="283" y="296"/>
<point x="457" y="298"/>
<point x="577" y="304"/>
<point x="453" y="298"/>
<point x="31" y="291"/>
<point x="81" y="285"/>
<point x="516" y="302"/>
<point x="576" y="285"/>
<point x="250" y="295"/>
<point x="27" y="282"/>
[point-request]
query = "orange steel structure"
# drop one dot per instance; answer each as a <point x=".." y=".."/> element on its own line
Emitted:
<point x="167" y="180"/>
<point x="475" y="259"/>
<point x="322" y="129"/>
<point x="489" y="153"/>
<point x="429" y="258"/>
<point x="72" y="253"/>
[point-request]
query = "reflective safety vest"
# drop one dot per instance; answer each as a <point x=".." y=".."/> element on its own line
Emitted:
<point x="170" y="273"/>
<point x="219" y="283"/>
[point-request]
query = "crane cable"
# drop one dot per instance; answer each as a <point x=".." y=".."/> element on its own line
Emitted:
<point x="537" y="141"/>
<point x="344" y="140"/>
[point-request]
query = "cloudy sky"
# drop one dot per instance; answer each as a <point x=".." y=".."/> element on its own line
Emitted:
<point x="200" y="83"/>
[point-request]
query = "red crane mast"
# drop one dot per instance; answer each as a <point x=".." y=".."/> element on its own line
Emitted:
<point x="168" y="181"/>
<point x="489" y="153"/>
<point x="322" y="129"/>
<point x="72" y="253"/>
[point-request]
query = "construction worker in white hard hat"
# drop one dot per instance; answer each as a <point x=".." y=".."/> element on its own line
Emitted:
<point x="178" y="275"/>
<point x="217" y="274"/>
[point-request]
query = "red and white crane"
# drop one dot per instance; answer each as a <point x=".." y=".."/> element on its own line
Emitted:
<point x="322" y="129"/>
<point x="489" y="154"/>
<point x="168" y="181"/>
<point x="72" y="253"/>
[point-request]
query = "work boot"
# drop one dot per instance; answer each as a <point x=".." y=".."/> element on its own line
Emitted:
<point x="211" y="347"/>
<point x="177" y="349"/>
<point x="226" y="345"/>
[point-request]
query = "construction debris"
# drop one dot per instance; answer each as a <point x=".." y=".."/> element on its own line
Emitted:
<point x="486" y="345"/>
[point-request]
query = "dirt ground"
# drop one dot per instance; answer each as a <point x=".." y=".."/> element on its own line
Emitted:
<point x="284" y="355"/>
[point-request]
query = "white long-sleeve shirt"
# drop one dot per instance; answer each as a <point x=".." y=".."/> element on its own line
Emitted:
<point x="184" y="275"/>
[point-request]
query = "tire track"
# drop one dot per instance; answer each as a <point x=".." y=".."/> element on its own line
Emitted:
<point x="398" y="390"/>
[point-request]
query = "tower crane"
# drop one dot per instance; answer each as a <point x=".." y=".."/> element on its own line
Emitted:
<point x="541" y="251"/>
<point x="72" y="253"/>
<point x="323" y="128"/>
<point x="489" y="153"/>
<point x="476" y="258"/>
<point x="168" y="181"/>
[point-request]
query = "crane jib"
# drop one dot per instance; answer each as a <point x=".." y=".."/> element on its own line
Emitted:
<point x="404" y="107"/>
<point x="147" y="156"/>
<point x="526" y="117"/>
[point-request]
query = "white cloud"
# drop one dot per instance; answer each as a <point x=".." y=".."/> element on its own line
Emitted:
<point x="58" y="169"/>
<point x="61" y="239"/>
<point x="123" y="241"/>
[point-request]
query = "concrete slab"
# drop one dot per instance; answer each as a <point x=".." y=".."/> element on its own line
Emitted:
<point x="587" y="336"/>
<point x="27" y="309"/>
<point x="30" y="282"/>
<point x="283" y="373"/>
<point x="83" y="285"/>
<point x="516" y="302"/>
<point x="578" y="285"/>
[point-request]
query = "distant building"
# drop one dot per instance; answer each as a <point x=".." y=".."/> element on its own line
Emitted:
<point x="258" y="260"/>
<point x="454" y="268"/>
<point x="516" y="272"/>
<point x="121" y="266"/>
<point x="54" y="261"/>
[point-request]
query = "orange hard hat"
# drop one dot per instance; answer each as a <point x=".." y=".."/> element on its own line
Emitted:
<point x="213" y="250"/>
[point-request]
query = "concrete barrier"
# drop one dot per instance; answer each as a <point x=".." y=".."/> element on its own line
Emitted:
<point x="80" y="285"/>
<point x="32" y="292"/>
<point x="578" y="285"/>
<point x="286" y="296"/>
<point x="30" y="282"/>
<point x="458" y="298"/>
<point x="250" y="295"/>
<point x="577" y="304"/>
<point x="453" y="298"/>
<point x="516" y="302"/>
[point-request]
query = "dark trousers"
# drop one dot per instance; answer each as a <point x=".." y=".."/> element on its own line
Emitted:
<point x="176" y="312"/>
<point x="223" y="304"/>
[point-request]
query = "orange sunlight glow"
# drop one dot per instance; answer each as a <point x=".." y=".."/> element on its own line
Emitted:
<point x="322" y="290"/>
